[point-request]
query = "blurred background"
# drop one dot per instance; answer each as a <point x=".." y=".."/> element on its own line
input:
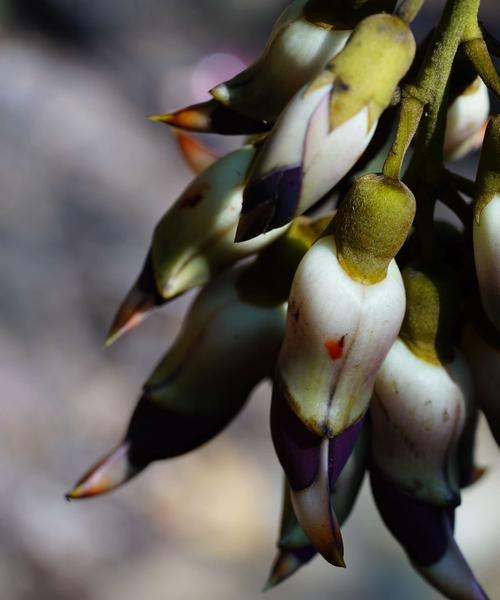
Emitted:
<point x="84" y="178"/>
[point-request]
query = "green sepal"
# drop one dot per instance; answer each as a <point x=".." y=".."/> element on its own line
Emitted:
<point x="371" y="225"/>
<point x="432" y="310"/>
<point x="488" y="173"/>
<point x="366" y="72"/>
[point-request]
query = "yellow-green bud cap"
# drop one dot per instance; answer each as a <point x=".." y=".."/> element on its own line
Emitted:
<point x="431" y="313"/>
<point x="381" y="40"/>
<point x="371" y="225"/>
<point x="344" y="14"/>
<point x="488" y="173"/>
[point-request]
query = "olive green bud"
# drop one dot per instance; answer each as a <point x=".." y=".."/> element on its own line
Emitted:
<point x="371" y="225"/>
<point x="431" y="313"/>
<point x="488" y="174"/>
<point x="382" y="40"/>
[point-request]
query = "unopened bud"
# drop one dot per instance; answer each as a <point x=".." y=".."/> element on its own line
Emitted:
<point x="327" y="126"/>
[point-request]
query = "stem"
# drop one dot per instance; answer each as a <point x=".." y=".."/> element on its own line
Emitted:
<point x="410" y="115"/>
<point x="424" y="98"/>
<point x="407" y="10"/>
<point x="476" y="51"/>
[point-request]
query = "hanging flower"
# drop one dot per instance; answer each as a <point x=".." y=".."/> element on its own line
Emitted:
<point x="327" y="126"/>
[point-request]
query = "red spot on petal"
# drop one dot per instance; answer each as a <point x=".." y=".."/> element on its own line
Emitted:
<point x="335" y="348"/>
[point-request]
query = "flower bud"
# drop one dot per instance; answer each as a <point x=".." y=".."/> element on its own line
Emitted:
<point x="327" y="126"/>
<point x="422" y="394"/>
<point x="296" y="52"/>
<point x="421" y="413"/>
<point x="337" y="335"/>
<point x="481" y="346"/>
<point x="229" y="342"/>
<point x="193" y="241"/>
<point x="211" y="117"/>
<point x="487" y="222"/>
<point x="466" y="121"/>
<point x="225" y="347"/>
<point x="294" y="547"/>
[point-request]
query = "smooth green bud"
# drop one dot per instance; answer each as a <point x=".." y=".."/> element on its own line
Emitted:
<point x="371" y="225"/>
<point x="431" y="313"/>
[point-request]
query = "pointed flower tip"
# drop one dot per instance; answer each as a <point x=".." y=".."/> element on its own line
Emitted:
<point x="220" y="93"/>
<point x="133" y="310"/>
<point x="166" y="118"/>
<point x="109" y="473"/>
<point x="193" y="118"/>
<point x="285" y="565"/>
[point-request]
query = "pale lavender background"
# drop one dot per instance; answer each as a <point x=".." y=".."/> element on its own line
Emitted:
<point x="84" y="177"/>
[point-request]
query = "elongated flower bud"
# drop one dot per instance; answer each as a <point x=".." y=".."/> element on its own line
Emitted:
<point x="211" y="117"/>
<point x="226" y="346"/>
<point x="296" y="52"/>
<point x="481" y="346"/>
<point x="345" y="311"/>
<point x="193" y="241"/>
<point x="418" y="413"/>
<point x="228" y="343"/>
<point x="423" y="396"/>
<point x="487" y="223"/>
<point x="466" y="121"/>
<point x="327" y="126"/>
<point x="294" y="547"/>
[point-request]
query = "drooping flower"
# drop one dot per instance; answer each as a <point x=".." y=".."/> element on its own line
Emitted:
<point x="229" y="342"/>
<point x="297" y="50"/>
<point x="327" y="126"/>
<point x="294" y="547"/>
<point x="487" y="223"/>
<point x="423" y="398"/>
<point x="345" y="309"/>
<point x="194" y="241"/>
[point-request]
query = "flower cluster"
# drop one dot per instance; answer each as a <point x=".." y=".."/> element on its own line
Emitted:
<point x="379" y="331"/>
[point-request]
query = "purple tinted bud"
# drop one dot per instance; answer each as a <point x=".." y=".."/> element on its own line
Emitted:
<point x="422" y="529"/>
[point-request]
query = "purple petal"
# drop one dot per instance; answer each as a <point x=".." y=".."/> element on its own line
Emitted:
<point x="156" y="432"/>
<point x="341" y="447"/>
<point x="422" y="529"/>
<point x="297" y="447"/>
<point x="269" y="202"/>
